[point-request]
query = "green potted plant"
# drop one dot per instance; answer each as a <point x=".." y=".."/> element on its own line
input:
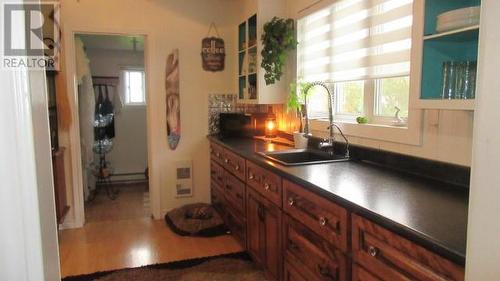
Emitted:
<point x="278" y="39"/>
<point x="297" y="102"/>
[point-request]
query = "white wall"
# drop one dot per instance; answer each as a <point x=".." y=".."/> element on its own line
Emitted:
<point x="168" y="25"/>
<point x="28" y="232"/>
<point x="446" y="135"/>
<point x="483" y="247"/>
<point x="129" y="154"/>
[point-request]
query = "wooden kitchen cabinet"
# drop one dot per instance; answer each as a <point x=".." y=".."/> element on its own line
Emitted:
<point x="264" y="233"/>
<point x="265" y="182"/>
<point x="217" y="153"/>
<point x="234" y="192"/>
<point x="62" y="207"/>
<point x="234" y="164"/>
<point x="296" y="234"/>
<point x="317" y="259"/>
<point x="291" y="273"/>
<point x="322" y="216"/>
<point x="393" y="258"/>
<point x="360" y="274"/>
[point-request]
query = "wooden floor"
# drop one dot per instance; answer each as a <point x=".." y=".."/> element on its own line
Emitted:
<point x="109" y="243"/>
<point x="132" y="203"/>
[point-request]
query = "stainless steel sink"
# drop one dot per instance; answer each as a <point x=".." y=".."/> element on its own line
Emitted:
<point x="298" y="157"/>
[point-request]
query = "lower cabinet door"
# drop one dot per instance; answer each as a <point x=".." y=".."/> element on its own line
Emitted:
<point x="360" y="274"/>
<point x="218" y="200"/>
<point x="317" y="258"/>
<point x="291" y="273"/>
<point x="264" y="233"/>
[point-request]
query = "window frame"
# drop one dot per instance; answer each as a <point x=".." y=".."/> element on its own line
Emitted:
<point x="126" y="101"/>
<point x="381" y="129"/>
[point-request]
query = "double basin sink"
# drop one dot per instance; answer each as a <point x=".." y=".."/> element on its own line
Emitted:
<point x="299" y="157"/>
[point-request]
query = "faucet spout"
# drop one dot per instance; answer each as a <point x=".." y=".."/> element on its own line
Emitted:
<point x="331" y="140"/>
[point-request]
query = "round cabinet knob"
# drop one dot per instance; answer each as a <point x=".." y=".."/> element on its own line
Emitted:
<point x="291" y="201"/>
<point x="237" y="168"/>
<point x="251" y="176"/>
<point x="267" y="186"/>
<point x="322" y="221"/>
<point x="217" y="154"/>
<point x="226" y="160"/>
<point x="372" y="251"/>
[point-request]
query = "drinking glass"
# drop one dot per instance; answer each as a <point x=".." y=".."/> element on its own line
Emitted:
<point x="449" y="79"/>
<point x="460" y="72"/>
<point x="470" y="80"/>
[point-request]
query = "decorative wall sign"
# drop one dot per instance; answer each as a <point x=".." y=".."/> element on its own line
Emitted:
<point x="213" y="52"/>
<point x="173" y="100"/>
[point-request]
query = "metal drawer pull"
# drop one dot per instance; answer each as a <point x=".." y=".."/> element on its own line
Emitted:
<point x="217" y="154"/>
<point x="251" y="176"/>
<point x="226" y="160"/>
<point x="291" y="201"/>
<point x="267" y="186"/>
<point x="237" y="167"/>
<point x="373" y="251"/>
<point x="322" y="221"/>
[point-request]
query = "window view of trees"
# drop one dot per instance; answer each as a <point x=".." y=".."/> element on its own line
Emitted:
<point x="349" y="97"/>
<point x="392" y="92"/>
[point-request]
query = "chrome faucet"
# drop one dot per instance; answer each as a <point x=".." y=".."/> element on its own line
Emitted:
<point x="330" y="142"/>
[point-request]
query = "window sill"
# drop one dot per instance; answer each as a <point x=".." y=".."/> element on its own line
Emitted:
<point x="411" y="134"/>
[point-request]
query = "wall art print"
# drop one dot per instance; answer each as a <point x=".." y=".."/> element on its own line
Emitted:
<point x="173" y="100"/>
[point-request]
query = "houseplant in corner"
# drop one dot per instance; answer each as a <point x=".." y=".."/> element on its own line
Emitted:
<point x="277" y="40"/>
<point x="297" y="102"/>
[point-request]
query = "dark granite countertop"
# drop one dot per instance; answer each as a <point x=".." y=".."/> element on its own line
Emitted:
<point x="428" y="212"/>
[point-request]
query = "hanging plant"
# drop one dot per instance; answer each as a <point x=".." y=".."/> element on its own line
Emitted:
<point x="278" y="39"/>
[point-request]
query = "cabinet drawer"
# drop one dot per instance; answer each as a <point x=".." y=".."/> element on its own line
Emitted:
<point x="237" y="225"/>
<point x="360" y="274"/>
<point x="264" y="182"/>
<point x="318" y="259"/>
<point x="234" y="164"/>
<point x="234" y="192"/>
<point x="325" y="218"/>
<point x="217" y="199"/>
<point x="217" y="173"/>
<point x="216" y="153"/>
<point x="392" y="257"/>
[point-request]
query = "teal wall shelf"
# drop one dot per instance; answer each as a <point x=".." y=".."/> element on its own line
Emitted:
<point x="455" y="45"/>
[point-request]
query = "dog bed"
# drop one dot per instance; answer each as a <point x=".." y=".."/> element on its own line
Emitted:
<point x="197" y="219"/>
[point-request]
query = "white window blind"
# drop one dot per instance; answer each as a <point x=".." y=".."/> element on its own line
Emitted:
<point x="356" y="40"/>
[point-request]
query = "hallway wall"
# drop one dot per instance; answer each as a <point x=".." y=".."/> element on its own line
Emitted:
<point x="168" y="25"/>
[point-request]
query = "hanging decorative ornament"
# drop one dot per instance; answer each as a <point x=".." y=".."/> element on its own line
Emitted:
<point x="213" y="52"/>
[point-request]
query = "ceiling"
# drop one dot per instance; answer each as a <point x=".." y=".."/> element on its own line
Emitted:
<point x="112" y="42"/>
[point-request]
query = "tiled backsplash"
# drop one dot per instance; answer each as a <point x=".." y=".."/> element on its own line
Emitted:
<point x="287" y="122"/>
<point x="218" y="103"/>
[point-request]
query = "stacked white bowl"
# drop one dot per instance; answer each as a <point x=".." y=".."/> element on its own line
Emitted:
<point x="457" y="19"/>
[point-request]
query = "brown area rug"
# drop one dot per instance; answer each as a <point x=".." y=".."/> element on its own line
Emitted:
<point x="230" y="267"/>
